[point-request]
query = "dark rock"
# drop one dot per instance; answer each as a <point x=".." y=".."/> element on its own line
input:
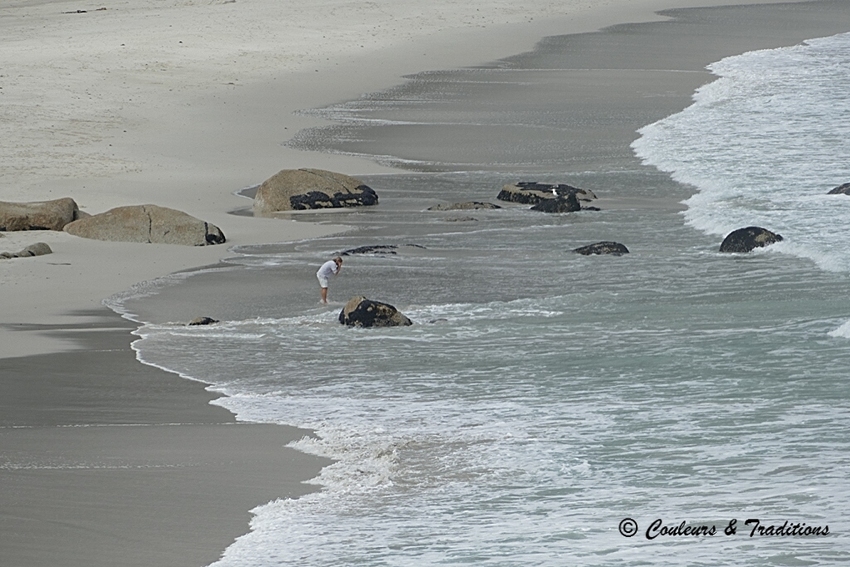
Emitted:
<point x="378" y="249"/>
<point x="148" y="224"/>
<point x="531" y="192"/>
<point x="568" y="204"/>
<point x="745" y="239"/>
<point x="39" y="215"/>
<point x="202" y="321"/>
<point x="461" y="219"/>
<point x="841" y="190"/>
<point x="303" y="189"/>
<point x="37" y="249"/>
<point x="362" y="312"/>
<point x="605" y="247"/>
<point x="469" y="205"/>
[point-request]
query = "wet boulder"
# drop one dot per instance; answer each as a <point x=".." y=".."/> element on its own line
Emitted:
<point x="303" y="189"/>
<point x="745" y="239"/>
<point x="362" y="312"/>
<point x="39" y="215"/>
<point x="841" y="190"/>
<point x="604" y="247"/>
<point x="568" y="204"/>
<point x="149" y="224"/>
<point x="531" y="192"/>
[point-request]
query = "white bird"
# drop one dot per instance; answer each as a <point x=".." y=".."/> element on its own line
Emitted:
<point x="555" y="191"/>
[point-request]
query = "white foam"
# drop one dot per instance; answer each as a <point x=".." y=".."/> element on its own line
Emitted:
<point x="763" y="144"/>
<point x="841" y="332"/>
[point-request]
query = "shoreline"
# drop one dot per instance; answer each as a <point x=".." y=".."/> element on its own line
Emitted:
<point x="106" y="461"/>
<point x="205" y="142"/>
<point x="29" y="332"/>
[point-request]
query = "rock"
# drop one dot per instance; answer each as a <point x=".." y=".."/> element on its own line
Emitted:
<point x="531" y="192"/>
<point x="745" y="239"/>
<point x="302" y="189"/>
<point x="377" y="249"/>
<point x="202" y="321"/>
<point x="362" y="312"/>
<point x="149" y="224"/>
<point x="461" y="219"/>
<point x="39" y="215"/>
<point x="604" y="247"/>
<point x="469" y="205"/>
<point x="568" y="204"/>
<point x="37" y="249"/>
<point x="841" y="190"/>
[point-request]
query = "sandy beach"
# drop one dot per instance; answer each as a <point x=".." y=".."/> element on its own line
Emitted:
<point x="103" y="460"/>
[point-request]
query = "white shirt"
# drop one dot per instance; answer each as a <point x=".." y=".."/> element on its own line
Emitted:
<point x="328" y="269"/>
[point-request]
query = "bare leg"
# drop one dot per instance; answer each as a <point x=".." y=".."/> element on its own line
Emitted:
<point x="324" y="295"/>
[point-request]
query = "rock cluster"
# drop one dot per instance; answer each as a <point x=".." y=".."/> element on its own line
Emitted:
<point x="841" y="190"/>
<point x="148" y="224"/>
<point x="302" y="189"/>
<point x="531" y="192"/>
<point x="362" y="312"/>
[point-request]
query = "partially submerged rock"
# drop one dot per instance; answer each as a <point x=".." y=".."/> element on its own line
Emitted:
<point x="303" y="189"/>
<point x="362" y="312"/>
<point x="531" y="192"/>
<point x="39" y="215"/>
<point x="37" y="249"/>
<point x="745" y="239"/>
<point x="841" y="190"/>
<point x="148" y="224"/>
<point x="377" y="249"/>
<point x="467" y="206"/>
<point x="604" y="247"/>
<point x="202" y="321"/>
<point x="568" y="204"/>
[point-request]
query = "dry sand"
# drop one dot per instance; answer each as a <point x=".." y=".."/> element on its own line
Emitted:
<point x="104" y="461"/>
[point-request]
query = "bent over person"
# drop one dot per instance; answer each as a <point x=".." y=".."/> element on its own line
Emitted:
<point x="328" y="269"/>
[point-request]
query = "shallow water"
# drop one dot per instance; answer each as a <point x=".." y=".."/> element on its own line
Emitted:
<point x="541" y="396"/>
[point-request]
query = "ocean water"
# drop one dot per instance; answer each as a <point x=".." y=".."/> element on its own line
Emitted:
<point x="542" y="397"/>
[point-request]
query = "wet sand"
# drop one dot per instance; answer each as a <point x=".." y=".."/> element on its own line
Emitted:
<point x="105" y="461"/>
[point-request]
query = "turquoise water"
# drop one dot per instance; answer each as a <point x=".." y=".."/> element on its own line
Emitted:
<point x="542" y="397"/>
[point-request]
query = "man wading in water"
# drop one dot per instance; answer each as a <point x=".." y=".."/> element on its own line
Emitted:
<point x="328" y="269"/>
